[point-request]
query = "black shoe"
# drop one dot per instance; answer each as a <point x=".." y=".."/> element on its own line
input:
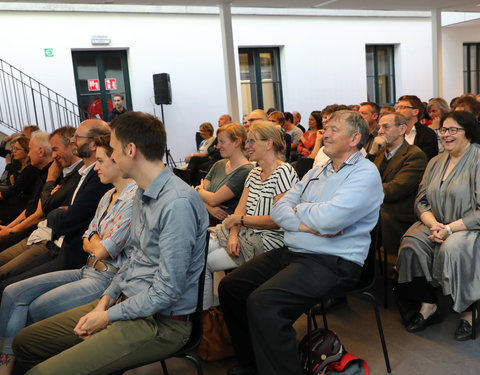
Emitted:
<point x="419" y="323"/>
<point x="242" y="370"/>
<point x="463" y="331"/>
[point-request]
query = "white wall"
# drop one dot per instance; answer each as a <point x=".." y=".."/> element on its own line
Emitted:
<point x="322" y="58"/>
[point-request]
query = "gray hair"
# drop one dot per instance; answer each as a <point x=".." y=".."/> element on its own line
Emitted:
<point x="42" y="139"/>
<point x="355" y="124"/>
<point x="398" y="118"/>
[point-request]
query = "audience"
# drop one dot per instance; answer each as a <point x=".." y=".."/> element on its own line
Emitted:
<point x="250" y="231"/>
<point x="145" y="312"/>
<point x="327" y="219"/>
<point x="57" y="242"/>
<point x="223" y="186"/>
<point x="57" y="182"/>
<point x="106" y="241"/>
<point x="440" y="249"/>
<point x="14" y="199"/>
<point x="297" y="117"/>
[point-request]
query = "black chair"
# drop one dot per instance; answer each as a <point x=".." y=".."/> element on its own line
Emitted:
<point x="189" y="350"/>
<point x="474" y="320"/>
<point x="364" y="286"/>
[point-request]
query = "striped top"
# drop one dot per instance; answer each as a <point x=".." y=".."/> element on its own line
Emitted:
<point x="261" y="195"/>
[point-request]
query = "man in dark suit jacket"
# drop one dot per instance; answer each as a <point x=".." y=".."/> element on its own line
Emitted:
<point x="401" y="167"/>
<point x="411" y="107"/>
<point x="69" y="221"/>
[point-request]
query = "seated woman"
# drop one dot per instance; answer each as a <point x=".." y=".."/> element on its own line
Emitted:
<point x="106" y="240"/>
<point x="223" y="186"/>
<point x="307" y="141"/>
<point x="441" y="248"/>
<point x="250" y="231"/>
<point x="206" y="131"/>
<point x="14" y="199"/>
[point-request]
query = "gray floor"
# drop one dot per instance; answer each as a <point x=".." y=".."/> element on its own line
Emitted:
<point x="433" y="351"/>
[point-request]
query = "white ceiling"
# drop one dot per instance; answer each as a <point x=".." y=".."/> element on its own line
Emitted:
<point x="403" y="5"/>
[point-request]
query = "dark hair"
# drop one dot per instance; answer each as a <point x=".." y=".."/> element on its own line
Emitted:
<point x="466" y="120"/>
<point x="23" y="141"/>
<point x="288" y="116"/>
<point x="120" y="95"/>
<point x="415" y="102"/>
<point x="104" y="142"/>
<point x="65" y="133"/>
<point x="470" y="105"/>
<point x="144" y="130"/>
<point x="317" y="116"/>
<point x="375" y="107"/>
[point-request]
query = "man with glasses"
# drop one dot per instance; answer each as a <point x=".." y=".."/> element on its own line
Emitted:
<point x="257" y="114"/>
<point x="411" y="107"/>
<point x="327" y="219"/>
<point x="401" y="167"/>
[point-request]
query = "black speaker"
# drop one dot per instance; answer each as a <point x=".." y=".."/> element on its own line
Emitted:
<point x="162" y="88"/>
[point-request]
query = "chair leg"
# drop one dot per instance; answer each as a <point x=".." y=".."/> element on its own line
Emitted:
<point x="380" y="330"/>
<point x="164" y="367"/>
<point x="385" y="278"/>
<point x="325" y="325"/>
<point x="310" y="314"/>
<point x="195" y="361"/>
<point x="474" y="320"/>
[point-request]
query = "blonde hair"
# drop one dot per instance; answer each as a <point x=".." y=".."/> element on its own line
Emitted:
<point x="234" y="131"/>
<point x="265" y="130"/>
<point x="206" y="126"/>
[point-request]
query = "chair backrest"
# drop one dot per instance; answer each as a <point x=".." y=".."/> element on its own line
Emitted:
<point x="368" y="276"/>
<point x="197" y="321"/>
<point x="198" y="139"/>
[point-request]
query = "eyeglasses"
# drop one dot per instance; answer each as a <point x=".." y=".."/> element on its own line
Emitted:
<point x="403" y="107"/>
<point x="452" y="130"/>
<point x="76" y="136"/>
<point x="251" y="141"/>
<point x="253" y="119"/>
<point x="13" y="148"/>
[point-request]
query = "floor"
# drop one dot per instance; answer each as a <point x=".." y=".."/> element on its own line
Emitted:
<point x="433" y="351"/>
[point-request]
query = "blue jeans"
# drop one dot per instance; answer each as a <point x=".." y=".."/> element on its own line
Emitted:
<point x="40" y="297"/>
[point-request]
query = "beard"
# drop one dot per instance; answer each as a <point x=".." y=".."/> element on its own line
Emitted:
<point x="83" y="151"/>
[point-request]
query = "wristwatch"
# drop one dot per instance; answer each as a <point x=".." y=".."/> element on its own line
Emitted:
<point x="449" y="230"/>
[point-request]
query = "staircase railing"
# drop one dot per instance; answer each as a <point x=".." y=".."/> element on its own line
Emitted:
<point x="25" y="101"/>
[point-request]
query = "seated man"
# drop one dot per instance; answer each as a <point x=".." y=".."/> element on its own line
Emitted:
<point x="401" y="168"/>
<point x="327" y="219"/>
<point x="145" y="313"/>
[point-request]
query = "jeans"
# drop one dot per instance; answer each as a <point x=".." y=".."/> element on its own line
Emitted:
<point x="40" y="297"/>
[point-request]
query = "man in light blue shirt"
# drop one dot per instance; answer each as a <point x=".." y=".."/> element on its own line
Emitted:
<point x="145" y="313"/>
<point x="327" y="218"/>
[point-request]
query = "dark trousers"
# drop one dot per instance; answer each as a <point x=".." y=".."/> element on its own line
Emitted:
<point x="263" y="298"/>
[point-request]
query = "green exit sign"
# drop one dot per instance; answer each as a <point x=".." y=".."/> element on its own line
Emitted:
<point x="48" y="52"/>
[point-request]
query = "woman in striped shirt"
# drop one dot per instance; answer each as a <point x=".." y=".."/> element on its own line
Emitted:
<point x="250" y="231"/>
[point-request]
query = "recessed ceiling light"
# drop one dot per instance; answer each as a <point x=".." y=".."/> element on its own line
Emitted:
<point x="324" y="3"/>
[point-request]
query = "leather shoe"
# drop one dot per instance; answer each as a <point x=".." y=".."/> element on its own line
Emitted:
<point x="419" y="323"/>
<point x="242" y="370"/>
<point x="463" y="331"/>
<point x="331" y="304"/>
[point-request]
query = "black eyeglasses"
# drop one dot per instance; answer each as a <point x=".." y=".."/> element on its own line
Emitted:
<point x="452" y="130"/>
<point x="403" y="107"/>
<point x="76" y="136"/>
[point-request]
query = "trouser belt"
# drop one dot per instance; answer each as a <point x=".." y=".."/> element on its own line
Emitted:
<point x="101" y="265"/>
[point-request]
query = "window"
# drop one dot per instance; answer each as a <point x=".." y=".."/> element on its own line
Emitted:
<point x="260" y="79"/>
<point x="380" y="74"/>
<point x="471" y="68"/>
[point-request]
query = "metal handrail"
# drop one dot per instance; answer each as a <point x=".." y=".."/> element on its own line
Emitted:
<point x="25" y="101"/>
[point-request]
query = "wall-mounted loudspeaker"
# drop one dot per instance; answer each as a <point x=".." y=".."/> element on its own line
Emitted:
<point x="162" y="88"/>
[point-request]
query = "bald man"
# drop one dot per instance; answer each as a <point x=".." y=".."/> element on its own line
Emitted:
<point x="57" y="242"/>
<point x="257" y="114"/>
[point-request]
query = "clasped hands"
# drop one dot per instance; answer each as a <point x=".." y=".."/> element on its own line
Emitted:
<point x="303" y="228"/>
<point x="439" y="233"/>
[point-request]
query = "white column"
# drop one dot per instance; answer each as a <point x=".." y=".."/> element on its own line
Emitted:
<point x="229" y="60"/>
<point x="437" y="52"/>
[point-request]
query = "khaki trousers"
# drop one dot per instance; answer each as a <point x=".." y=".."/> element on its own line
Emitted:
<point x="18" y="254"/>
<point x="50" y="346"/>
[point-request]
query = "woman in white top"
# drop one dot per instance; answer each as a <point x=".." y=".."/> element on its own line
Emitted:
<point x="206" y="131"/>
<point x="250" y="231"/>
